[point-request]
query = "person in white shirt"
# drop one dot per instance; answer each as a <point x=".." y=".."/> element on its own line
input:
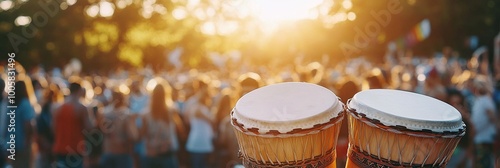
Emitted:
<point x="159" y="130"/>
<point x="496" y="55"/>
<point x="484" y="120"/>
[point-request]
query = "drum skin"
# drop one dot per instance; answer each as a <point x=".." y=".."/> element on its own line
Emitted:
<point x="317" y="146"/>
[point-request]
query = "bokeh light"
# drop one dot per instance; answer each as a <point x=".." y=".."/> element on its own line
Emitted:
<point x="276" y="11"/>
<point x="151" y="85"/>
<point x="63" y="5"/>
<point x="129" y="43"/>
<point x="22" y="20"/>
<point x="179" y="13"/>
<point x="71" y="2"/>
<point x="421" y="77"/>
<point x="106" y="9"/>
<point x="123" y="88"/>
<point x="120" y="4"/>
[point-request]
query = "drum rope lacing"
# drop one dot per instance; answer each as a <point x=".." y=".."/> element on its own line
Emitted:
<point x="372" y="161"/>
<point x="295" y="132"/>
<point x="258" y="127"/>
<point x="398" y="129"/>
<point x="316" y="162"/>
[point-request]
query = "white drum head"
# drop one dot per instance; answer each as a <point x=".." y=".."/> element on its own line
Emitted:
<point x="411" y="110"/>
<point x="286" y="106"/>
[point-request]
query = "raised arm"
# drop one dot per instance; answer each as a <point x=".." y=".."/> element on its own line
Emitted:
<point x="131" y="126"/>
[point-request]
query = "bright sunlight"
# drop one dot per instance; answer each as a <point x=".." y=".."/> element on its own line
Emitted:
<point x="284" y="10"/>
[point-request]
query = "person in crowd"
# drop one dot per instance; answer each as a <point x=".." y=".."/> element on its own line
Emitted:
<point x="137" y="98"/>
<point x="3" y="125"/>
<point x="496" y="61"/>
<point x="92" y="158"/>
<point x="227" y="144"/>
<point x="182" y="134"/>
<point x="159" y="130"/>
<point x="484" y="120"/>
<point x="69" y="123"/>
<point x="463" y="154"/>
<point x="433" y="86"/>
<point x="347" y="88"/>
<point x="467" y="90"/>
<point x="25" y="114"/>
<point x="45" y="139"/>
<point x="191" y="126"/>
<point x="200" y="119"/>
<point x="122" y="133"/>
<point x="101" y="91"/>
<point x="395" y="76"/>
<point x="375" y="80"/>
<point x="96" y="116"/>
<point x="39" y="88"/>
<point x="138" y="102"/>
<point x="248" y="82"/>
<point x="178" y="97"/>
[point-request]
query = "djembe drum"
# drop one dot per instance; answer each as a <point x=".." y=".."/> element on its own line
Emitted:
<point x="392" y="128"/>
<point x="288" y="125"/>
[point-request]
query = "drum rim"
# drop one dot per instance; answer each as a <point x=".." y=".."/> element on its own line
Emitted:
<point x="284" y="127"/>
<point x="335" y="105"/>
<point x="359" y="157"/>
<point x="294" y="132"/>
<point x="401" y="129"/>
<point x="388" y="119"/>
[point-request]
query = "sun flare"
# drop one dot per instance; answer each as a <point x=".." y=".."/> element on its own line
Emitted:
<point x="284" y="10"/>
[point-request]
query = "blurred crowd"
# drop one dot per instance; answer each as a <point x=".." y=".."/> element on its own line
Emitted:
<point x="181" y="117"/>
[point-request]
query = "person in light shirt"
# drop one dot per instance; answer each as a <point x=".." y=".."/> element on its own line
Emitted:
<point x="226" y="138"/>
<point x="484" y="120"/>
<point x="200" y="119"/>
<point x="159" y="130"/>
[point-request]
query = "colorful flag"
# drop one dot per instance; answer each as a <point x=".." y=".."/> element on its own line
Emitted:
<point x="419" y="33"/>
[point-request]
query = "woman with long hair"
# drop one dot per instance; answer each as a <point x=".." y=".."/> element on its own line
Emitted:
<point x="484" y="119"/>
<point x="118" y="143"/>
<point x="3" y="121"/>
<point x="159" y="130"/>
<point x="25" y="113"/>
